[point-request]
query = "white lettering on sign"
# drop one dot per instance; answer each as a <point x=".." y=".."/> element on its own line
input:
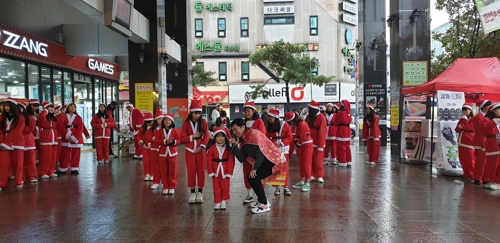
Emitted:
<point x="349" y="8"/>
<point x="100" y="66"/>
<point x="17" y="42"/>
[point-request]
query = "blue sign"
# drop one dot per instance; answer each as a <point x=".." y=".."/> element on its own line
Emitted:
<point x="348" y="36"/>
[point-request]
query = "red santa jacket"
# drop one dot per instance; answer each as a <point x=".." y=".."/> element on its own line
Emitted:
<point x="371" y="130"/>
<point x="188" y="129"/>
<point x="74" y="131"/>
<point x="318" y="132"/>
<point x="60" y="128"/>
<point x="283" y="136"/>
<point x="465" y="131"/>
<point x="303" y="134"/>
<point x="29" y="139"/>
<point x="160" y="139"/>
<point x="330" y="126"/>
<point x="110" y="114"/>
<point x="136" y="120"/>
<point x="257" y="124"/>
<point x="146" y="137"/>
<point x="48" y="133"/>
<point x="220" y="161"/>
<point x="479" y="121"/>
<point x="102" y="126"/>
<point x="11" y="136"/>
<point x="342" y="122"/>
<point x="491" y="132"/>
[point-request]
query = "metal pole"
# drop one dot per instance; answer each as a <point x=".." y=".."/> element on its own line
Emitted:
<point x="310" y="75"/>
<point x="432" y="127"/>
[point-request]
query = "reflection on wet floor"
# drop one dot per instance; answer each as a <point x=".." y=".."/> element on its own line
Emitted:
<point x="366" y="203"/>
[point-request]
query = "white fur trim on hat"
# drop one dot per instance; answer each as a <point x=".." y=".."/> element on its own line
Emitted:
<point x="47" y="105"/>
<point x="329" y="104"/>
<point x="195" y="109"/>
<point x="314" y="107"/>
<point x="293" y="117"/>
<point x="11" y="100"/>
<point x="249" y="106"/>
<point x="467" y="106"/>
<point x="129" y="105"/>
<point x="272" y="115"/>
<point x="169" y="117"/>
<point x="219" y="131"/>
<point x="482" y="104"/>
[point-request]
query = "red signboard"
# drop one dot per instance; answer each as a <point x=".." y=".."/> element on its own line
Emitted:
<point x="26" y="46"/>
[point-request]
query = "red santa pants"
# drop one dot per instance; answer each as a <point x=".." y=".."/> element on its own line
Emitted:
<point x="17" y="159"/>
<point x="146" y="162"/>
<point x="5" y="157"/>
<point x="154" y="166"/>
<point x="47" y="159"/>
<point x="138" y="148"/>
<point x="292" y="148"/>
<point x="305" y="160"/>
<point x="466" y="156"/>
<point x="373" y="150"/>
<point x="344" y="151"/>
<point x="59" y="151"/>
<point x="479" y="155"/>
<point x="30" y="164"/>
<point x="330" y="149"/>
<point x="490" y="168"/>
<point x="221" y="188"/>
<point x="317" y="164"/>
<point x="102" y="149"/>
<point x="196" y="164"/>
<point x="168" y="171"/>
<point x="72" y="159"/>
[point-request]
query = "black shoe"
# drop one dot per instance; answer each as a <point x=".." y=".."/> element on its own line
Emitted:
<point x="75" y="172"/>
<point x="58" y="172"/>
<point x="477" y="182"/>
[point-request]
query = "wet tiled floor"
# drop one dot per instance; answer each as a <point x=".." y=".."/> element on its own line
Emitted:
<point x="386" y="203"/>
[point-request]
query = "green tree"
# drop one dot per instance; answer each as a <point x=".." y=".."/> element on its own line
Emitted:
<point x="200" y="76"/>
<point x="465" y="38"/>
<point x="288" y="62"/>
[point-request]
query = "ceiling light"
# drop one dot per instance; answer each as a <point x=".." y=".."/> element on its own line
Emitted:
<point x="16" y="82"/>
<point x="57" y="81"/>
<point x="22" y="64"/>
<point x="59" y="72"/>
<point x="1" y="60"/>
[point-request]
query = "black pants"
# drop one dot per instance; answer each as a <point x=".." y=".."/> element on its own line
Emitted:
<point x="110" y="142"/>
<point x="265" y="170"/>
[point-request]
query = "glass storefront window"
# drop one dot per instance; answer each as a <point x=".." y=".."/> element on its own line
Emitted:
<point x="57" y="78"/>
<point x="12" y="78"/>
<point x="68" y="89"/>
<point x="46" y="84"/>
<point x="83" y="100"/>
<point x="33" y="78"/>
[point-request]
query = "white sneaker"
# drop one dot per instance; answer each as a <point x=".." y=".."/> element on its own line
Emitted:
<point x="99" y="162"/>
<point x="373" y="163"/>
<point x="349" y="163"/>
<point x="342" y="165"/>
<point x="199" y="197"/>
<point x="248" y="199"/>
<point x="146" y="178"/>
<point x="192" y="198"/>
<point x="255" y="204"/>
<point x="287" y="191"/>
<point x="171" y="191"/>
<point x="320" y="180"/>
<point x="312" y="178"/>
<point x="334" y="162"/>
<point x="44" y="177"/>
<point x="277" y="191"/>
<point x="487" y="185"/>
<point x="494" y="186"/>
<point x="53" y="175"/>
<point x="150" y="178"/>
<point x="11" y="178"/>
<point x="368" y="162"/>
<point x="106" y="162"/>
<point x="223" y="205"/>
<point x="33" y="181"/>
<point x="217" y="206"/>
<point x="261" y="209"/>
<point x="19" y="186"/>
<point x="165" y="192"/>
<point x="326" y="161"/>
<point x="155" y="186"/>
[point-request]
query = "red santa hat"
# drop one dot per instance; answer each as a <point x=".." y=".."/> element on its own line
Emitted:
<point x="57" y="107"/>
<point x="289" y="116"/>
<point x="273" y="113"/>
<point x="46" y="104"/>
<point x="158" y="113"/>
<point x="195" y="106"/>
<point x="371" y="107"/>
<point x="347" y="106"/>
<point x="467" y="105"/>
<point x="329" y="104"/>
<point x="336" y="106"/>
<point x="169" y="116"/>
<point x="221" y="130"/>
<point x="481" y="103"/>
<point x="249" y="104"/>
<point x="148" y="116"/>
<point x="23" y="104"/>
<point x="494" y="106"/>
<point x="11" y="100"/>
<point x="314" y="104"/>
<point x="64" y="107"/>
<point x="129" y="105"/>
<point x="33" y="101"/>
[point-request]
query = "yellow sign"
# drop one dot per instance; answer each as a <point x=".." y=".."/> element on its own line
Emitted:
<point x="144" y="96"/>
<point x="394" y="115"/>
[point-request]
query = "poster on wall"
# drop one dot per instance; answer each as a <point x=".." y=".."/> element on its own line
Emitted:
<point x="178" y="107"/>
<point x="413" y="114"/>
<point x="144" y="96"/>
<point x="376" y="95"/>
<point x="415" y="73"/>
<point x="449" y="112"/>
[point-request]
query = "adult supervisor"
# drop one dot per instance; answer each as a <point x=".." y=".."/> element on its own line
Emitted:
<point x="262" y="154"/>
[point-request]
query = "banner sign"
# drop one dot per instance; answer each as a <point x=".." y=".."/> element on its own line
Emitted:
<point x="144" y="96"/>
<point x="414" y="73"/>
<point x="413" y="114"/>
<point x="489" y="10"/>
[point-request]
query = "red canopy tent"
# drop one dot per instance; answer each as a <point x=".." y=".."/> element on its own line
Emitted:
<point x="478" y="78"/>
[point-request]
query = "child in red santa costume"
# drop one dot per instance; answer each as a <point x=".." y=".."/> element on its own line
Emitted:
<point x="195" y="134"/>
<point x="491" y="130"/>
<point x="136" y="120"/>
<point x="167" y="139"/>
<point x="73" y="141"/>
<point x="342" y="123"/>
<point x="252" y="120"/>
<point x="220" y="163"/>
<point x="29" y="145"/>
<point x="280" y="133"/>
<point x="33" y="111"/>
<point x="47" y="156"/>
<point x="371" y="134"/>
<point x="153" y="170"/>
<point x="465" y="131"/>
<point x="304" y="147"/>
<point x="145" y="137"/>
<point x="102" y="122"/>
<point x="11" y="143"/>
<point x="479" y="121"/>
<point x="329" y="154"/>
<point x="317" y="125"/>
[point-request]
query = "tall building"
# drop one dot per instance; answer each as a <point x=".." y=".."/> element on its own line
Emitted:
<point x="436" y="45"/>
<point x="226" y="33"/>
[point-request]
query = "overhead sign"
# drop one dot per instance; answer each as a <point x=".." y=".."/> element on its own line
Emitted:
<point x="349" y="19"/>
<point x="289" y="9"/>
<point x="18" y="42"/>
<point x="100" y="66"/>
<point x="349" y="8"/>
<point x="489" y="12"/>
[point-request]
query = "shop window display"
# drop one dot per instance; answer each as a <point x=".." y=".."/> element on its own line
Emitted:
<point x="12" y="78"/>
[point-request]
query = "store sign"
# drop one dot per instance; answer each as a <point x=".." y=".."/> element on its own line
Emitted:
<point x="349" y="19"/>
<point x="414" y="73"/>
<point x="279" y="9"/>
<point x="100" y="66"/>
<point x="309" y="46"/>
<point x="351" y="61"/>
<point x="349" y="7"/>
<point x="216" y="47"/>
<point x="198" y="7"/>
<point x="18" y="42"/>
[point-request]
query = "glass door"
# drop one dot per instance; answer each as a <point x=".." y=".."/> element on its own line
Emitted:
<point x="83" y="100"/>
